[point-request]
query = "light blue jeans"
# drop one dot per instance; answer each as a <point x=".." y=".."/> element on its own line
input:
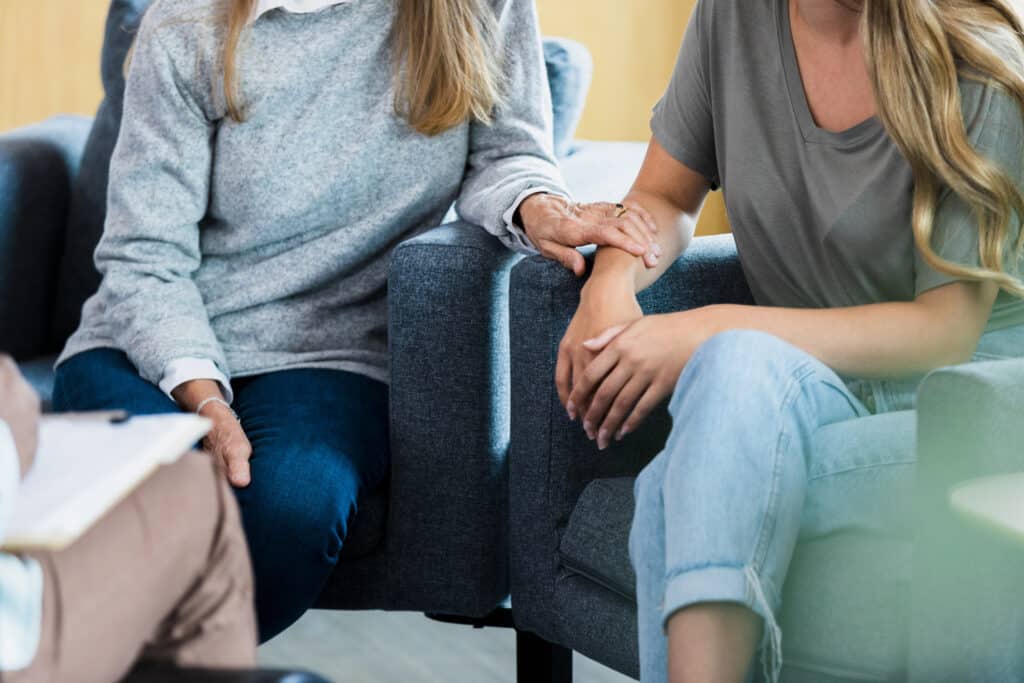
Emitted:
<point x="721" y="508"/>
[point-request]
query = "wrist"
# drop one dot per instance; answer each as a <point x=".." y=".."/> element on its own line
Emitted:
<point x="216" y="409"/>
<point x="615" y="271"/>
<point x="189" y="395"/>
<point x="604" y="284"/>
<point x="533" y="206"/>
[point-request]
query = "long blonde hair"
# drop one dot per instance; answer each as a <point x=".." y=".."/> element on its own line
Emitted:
<point x="446" y="61"/>
<point x="916" y="52"/>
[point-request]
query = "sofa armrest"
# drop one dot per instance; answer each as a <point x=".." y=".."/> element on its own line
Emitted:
<point x="551" y="461"/>
<point x="37" y="165"/>
<point x="448" y="331"/>
<point x="966" y="623"/>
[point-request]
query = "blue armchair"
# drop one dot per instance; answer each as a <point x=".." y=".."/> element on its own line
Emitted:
<point x="934" y="601"/>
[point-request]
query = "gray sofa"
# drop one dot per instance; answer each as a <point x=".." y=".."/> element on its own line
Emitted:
<point x="857" y="607"/>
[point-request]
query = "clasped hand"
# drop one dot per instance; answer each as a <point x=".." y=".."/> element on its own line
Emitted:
<point x="612" y="378"/>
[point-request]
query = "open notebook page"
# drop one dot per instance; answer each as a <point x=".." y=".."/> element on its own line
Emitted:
<point x="85" y="467"/>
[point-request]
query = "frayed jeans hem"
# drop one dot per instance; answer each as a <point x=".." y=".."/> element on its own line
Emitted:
<point x="733" y="584"/>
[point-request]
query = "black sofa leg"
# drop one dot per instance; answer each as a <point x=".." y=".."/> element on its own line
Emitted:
<point x="538" y="661"/>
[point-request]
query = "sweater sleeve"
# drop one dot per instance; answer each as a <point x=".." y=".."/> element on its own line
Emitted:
<point x="515" y="152"/>
<point x="158" y="195"/>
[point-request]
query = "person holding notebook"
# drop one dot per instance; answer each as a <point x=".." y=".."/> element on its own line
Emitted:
<point x="164" y="577"/>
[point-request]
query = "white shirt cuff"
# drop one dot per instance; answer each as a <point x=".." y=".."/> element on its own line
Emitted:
<point x="181" y="370"/>
<point x="10" y="475"/>
<point x="518" y="233"/>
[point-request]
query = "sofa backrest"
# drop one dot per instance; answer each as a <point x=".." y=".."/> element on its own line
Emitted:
<point x="78" y="277"/>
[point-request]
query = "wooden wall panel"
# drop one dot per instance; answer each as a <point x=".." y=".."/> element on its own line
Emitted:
<point x="49" y="58"/>
<point x="49" y="62"/>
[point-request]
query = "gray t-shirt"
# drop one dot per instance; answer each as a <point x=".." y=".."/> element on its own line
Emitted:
<point x="821" y="219"/>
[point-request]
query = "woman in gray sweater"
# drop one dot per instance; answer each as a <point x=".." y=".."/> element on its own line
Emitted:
<point x="271" y="155"/>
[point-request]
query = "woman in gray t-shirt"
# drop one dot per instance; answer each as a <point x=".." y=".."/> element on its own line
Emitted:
<point x="872" y="172"/>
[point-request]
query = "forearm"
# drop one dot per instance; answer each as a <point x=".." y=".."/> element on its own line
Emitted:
<point x="675" y="230"/>
<point x="876" y="340"/>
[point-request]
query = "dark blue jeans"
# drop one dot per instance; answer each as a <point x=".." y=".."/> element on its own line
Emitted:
<point x="319" y="437"/>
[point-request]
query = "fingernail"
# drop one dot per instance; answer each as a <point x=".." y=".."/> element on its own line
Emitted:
<point x="571" y="409"/>
<point x="588" y="427"/>
<point x="602" y="439"/>
<point x="656" y="248"/>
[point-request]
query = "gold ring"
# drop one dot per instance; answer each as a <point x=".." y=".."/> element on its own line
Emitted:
<point x="620" y="210"/>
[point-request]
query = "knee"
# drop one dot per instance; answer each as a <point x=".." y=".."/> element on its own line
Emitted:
<point x="738" y="363"/>
<point x="288" y="522"/>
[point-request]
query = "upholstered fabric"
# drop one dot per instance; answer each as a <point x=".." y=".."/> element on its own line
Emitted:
<point x="37" y="165"/>
<point x="570" y="69"/>
<point x="968" y="624"/>
<point x="78" y="276"/>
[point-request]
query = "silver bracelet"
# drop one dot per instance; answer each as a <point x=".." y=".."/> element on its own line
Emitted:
<point x="215" y="399"/>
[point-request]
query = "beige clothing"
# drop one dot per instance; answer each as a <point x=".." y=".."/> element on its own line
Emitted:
<point x="165" y="578"/>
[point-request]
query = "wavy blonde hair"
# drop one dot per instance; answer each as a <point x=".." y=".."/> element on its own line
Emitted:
<point x="446" y="61"/>
<point x="917" y="50"/>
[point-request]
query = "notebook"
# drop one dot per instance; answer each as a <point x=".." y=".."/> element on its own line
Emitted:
<point x="86" y="466"/>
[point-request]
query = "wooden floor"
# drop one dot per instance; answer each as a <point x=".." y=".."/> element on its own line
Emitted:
<point x="388" y="647"/>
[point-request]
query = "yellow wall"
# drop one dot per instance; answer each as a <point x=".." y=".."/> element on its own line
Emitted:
<point x="49" y="58"/>
<point x="49" y="62"/>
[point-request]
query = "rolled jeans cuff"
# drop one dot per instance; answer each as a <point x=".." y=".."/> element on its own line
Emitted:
<point x="713" y="583"/>
<point x="736" y="584"/>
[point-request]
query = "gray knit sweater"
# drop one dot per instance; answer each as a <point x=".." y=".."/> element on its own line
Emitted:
<point x="265" y="245"/>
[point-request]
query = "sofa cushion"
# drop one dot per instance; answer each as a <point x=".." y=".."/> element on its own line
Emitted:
<point x="570" y="69"/>
<point x="595" y="541"/>
<point x="78" y="276"/>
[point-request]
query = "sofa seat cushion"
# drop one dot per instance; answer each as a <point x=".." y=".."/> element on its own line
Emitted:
<point x="595" y="543"/>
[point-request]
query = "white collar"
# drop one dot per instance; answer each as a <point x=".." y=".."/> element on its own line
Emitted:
<point x="297" y="6"/>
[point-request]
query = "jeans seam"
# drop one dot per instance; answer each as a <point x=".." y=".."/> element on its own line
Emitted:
<point x="858" y="468"/>
<point x="802" y="371"/>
